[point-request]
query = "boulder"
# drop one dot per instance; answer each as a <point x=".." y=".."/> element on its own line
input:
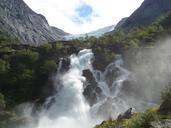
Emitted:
<point x="161" y="124"/>
<point x="91" y="91"/>
<point x="127" y="114"/>
<point x="64" y="64"/>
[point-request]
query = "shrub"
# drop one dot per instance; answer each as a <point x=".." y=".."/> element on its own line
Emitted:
<point x="59" y="45"/>
<point x="27" y="56"/>
<point x="45" y="48"/>
<point x="141" y="120"/>
<point x="27" y="74"/>
<point x="48" y="67"/>
<point x="166" y="95"/>
<point x="2" y="102"/>
<point x="4" y="66"/>
<point x="108" y="124"/>
<point x="165" y="107"/>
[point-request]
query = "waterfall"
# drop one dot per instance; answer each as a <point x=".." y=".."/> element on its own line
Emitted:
<point x="69" y="109"/>
<point x="110" y="105"/>
<point x="101" y="77"/>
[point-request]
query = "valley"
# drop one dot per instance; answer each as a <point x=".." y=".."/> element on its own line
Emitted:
<point x="87" y="82"/>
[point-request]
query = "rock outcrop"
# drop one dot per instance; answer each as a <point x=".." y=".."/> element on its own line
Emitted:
<point x="91" y="91"/>
<point x="127" y="114"/>
<point x="18" y="20"/>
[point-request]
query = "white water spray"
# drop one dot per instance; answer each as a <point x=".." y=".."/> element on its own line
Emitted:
<point x="110" y="105"/>
<point x="69" y="109"/>
<point x="116" y="86"/>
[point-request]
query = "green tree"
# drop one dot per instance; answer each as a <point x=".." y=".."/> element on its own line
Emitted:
<point x="59" y="45"/>
<point x="26" y="74"/>
<point x="2" y="102"/>
<point x="166" y="95"/>
<point x="27" y="56"/>
<point x="166" y="100"/>
<point x="4" y="66"/>
<point x="45" y="48"/>
<point x="48" y="67"/>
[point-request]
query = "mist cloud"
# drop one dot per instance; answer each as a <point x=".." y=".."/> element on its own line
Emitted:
<point x="151" y="69"/>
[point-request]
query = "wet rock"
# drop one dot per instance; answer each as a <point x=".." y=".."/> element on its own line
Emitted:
<point x="91" y="91"/>
<point x="65" y="63"/>
<point x="126" y="115"/>
<point x="161" y="124"/>
<point x="111" y="76"/>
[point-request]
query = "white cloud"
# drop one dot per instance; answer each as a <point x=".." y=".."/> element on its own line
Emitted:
<point x="63" y="14"/>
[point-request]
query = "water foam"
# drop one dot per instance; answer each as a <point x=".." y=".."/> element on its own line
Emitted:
<point x="69" y="109"/>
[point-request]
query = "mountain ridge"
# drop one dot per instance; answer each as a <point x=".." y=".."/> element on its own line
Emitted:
<point x="147" y="13"/>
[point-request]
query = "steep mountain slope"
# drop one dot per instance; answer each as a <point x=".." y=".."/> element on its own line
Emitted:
<point x="121" y="22"/>
<point x="148" y="12"/>
<point x="17" y="19"/>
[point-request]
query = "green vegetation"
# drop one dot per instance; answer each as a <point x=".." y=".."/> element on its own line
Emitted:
<point x="48" y="67"/>
<point x="165" y="107"/>
<point x="166" y="95"/>
<point x="5" y="116"/>
<point x="2" y="102"/>
<point x="109" y="124"/>
<point x="25" y="70"/>
<point x="142" y="120"/>
<point x="138" y="120"/>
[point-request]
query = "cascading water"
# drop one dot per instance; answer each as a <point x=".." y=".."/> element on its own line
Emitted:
<point x="69" y="109"/>
<point x="124" y="75"/>
<point x="101" y="77"/>
<point x="110" y="105"/>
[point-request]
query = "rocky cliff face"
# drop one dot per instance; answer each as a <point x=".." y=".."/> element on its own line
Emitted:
<point x="148" y="12"/>
<point x="18" y="20"/>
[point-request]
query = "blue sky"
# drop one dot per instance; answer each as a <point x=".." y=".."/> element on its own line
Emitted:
<point x="82" y="16"/>
<point x="84" y="11"/>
